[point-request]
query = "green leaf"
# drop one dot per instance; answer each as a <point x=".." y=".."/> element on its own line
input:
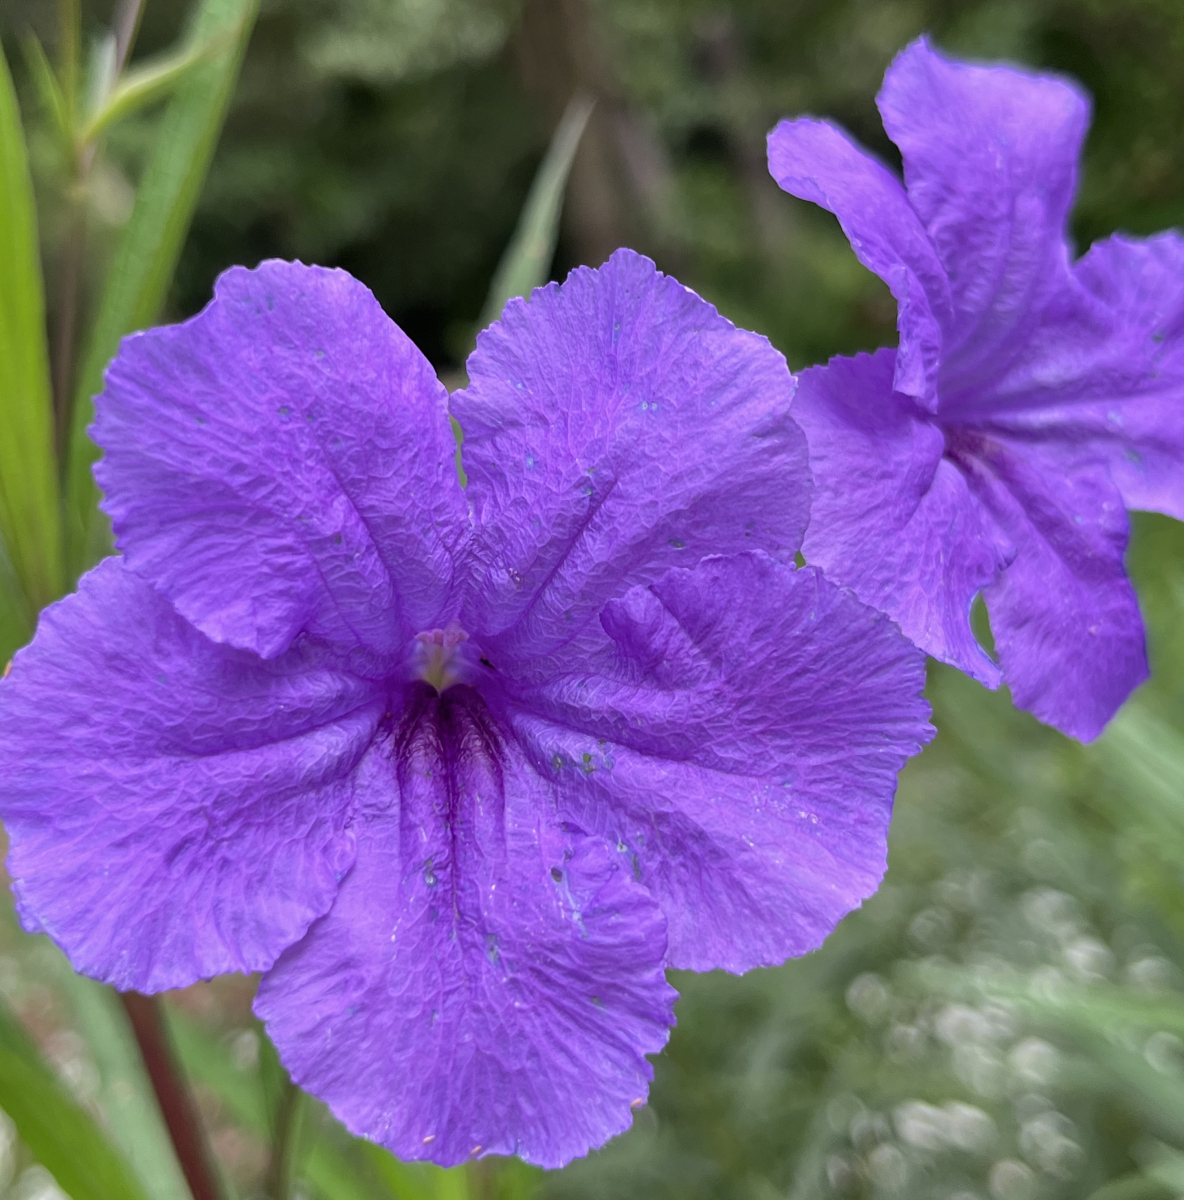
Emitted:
<point x="14" y="619"/>
<point x="527" y="260"/>
<point x="151" y="243"/>
<point x="30" y="520"/>
<point x="61" y="1135"/>
<point x="100" y="71"/>
<point x="145" y="84"/>
<point x="49" y="93"/>
<point x="126" y="1096"/>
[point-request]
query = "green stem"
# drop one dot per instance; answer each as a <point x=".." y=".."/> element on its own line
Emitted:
<point x="66" y="316"/>
<point x="285" y="1134"/>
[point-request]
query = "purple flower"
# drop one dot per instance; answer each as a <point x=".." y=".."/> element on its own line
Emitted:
<point x="1031" y="400"/>
<point x="462" y="772"/>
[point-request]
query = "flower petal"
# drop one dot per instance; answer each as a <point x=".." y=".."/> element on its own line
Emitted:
<point x="484" y="984"/>
<point x="741" y="746"/>
<point x="615" y="426"/>
<point x="893" y="519"/>
<point x="816" y="161"/>
<point x="283" y="462"/>
<point x="1064" y="615"/>
<point x="1102" y="379"/>
<point x="990" y="163"/>
<point x="175" y="808"/>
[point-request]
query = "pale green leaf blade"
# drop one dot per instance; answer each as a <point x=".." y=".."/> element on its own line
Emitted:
<point x="61" y="1135"/>
<point x="150" y="246"/>
<point x="145" y="84"/>
<point x="30" y="515"/>
<point x="125" y="1096"/>
<point x="527" y="260"/>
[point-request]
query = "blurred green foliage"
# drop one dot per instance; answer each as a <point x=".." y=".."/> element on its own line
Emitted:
<point x="1005" y="1019"/>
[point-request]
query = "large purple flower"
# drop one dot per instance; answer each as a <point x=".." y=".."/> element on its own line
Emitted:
<point x="1032" y="399"/>
<point x="461" y="772"/>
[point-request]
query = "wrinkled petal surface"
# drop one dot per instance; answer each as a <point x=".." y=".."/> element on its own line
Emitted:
<point x="1102" y="378"/>
<point x="615" y="426"/>
<point x="283" y="462"/>
<point x="1064" y="615"/>
<point x="893" y="519"/>
<point x="990" y="163"/>
<point x="175" y="808"/>
<point x="485" y="983"/>
<point x="740" y="745"/>
<point x="816" y="161"/>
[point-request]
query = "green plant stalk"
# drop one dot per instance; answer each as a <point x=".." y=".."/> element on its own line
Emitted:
<point x="29" y="506"/>
<point x="177" y="1105"/>
<point x="527" y="259"/>
<point x="147" y="255"/>
<point x="284" y="1141"/>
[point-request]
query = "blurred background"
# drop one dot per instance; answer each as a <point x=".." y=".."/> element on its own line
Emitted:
<point x="1005" y="1019"/>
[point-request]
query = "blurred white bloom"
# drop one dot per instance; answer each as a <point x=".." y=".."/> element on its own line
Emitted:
<point x="1012" y="1180"/>
<point x="954" y="1124"/>
<point x="1034" y="1061"/>
<point x="1047" y="983"/>
<point x="840" y="1173"/>
<point x="920" y="1124"/>
<point x="869" y="1129"/>
<point x="71" y="1058"/>
<point x="1152" y="973"/>
<point x="1046" y="1141"/>
<point x="7" y="1149"/>
<point x="931" y="928"/>
<point x="868" y="997"/>
<point x="1165" y="1052"/>
<point x="36" y="1183"/>
<point x="968" y="1127"/>
<point x="244" y="1049"/>
<point x="1089" y="958"/>
<point x="10" y="978"/>
<point x="979" y="1068"/>
<point x="1031" y="1105"/>
<point x="888" y="1168"/>
<point x="957" y="1023"/>
<point x="1052" y="912"/>
<point x="905" y="1042"/>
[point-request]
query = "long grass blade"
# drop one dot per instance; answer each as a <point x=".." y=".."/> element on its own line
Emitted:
<point x="150" y="246"/>
<point x="125" y="1095"/>
<point x="146" y="84"/>
<point x="527" y="260"/>
<point x="61" y="1135"/>
<point x="30" y="517"/>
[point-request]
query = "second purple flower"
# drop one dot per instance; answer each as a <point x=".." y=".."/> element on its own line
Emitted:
<point x="1031" y="401"/>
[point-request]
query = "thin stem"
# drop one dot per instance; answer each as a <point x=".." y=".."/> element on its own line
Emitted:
<point x="127" y="22"/>
<point x="176" y="1101"/>
<point x="278" y="1185"/>
<point x="66" y="317"/>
